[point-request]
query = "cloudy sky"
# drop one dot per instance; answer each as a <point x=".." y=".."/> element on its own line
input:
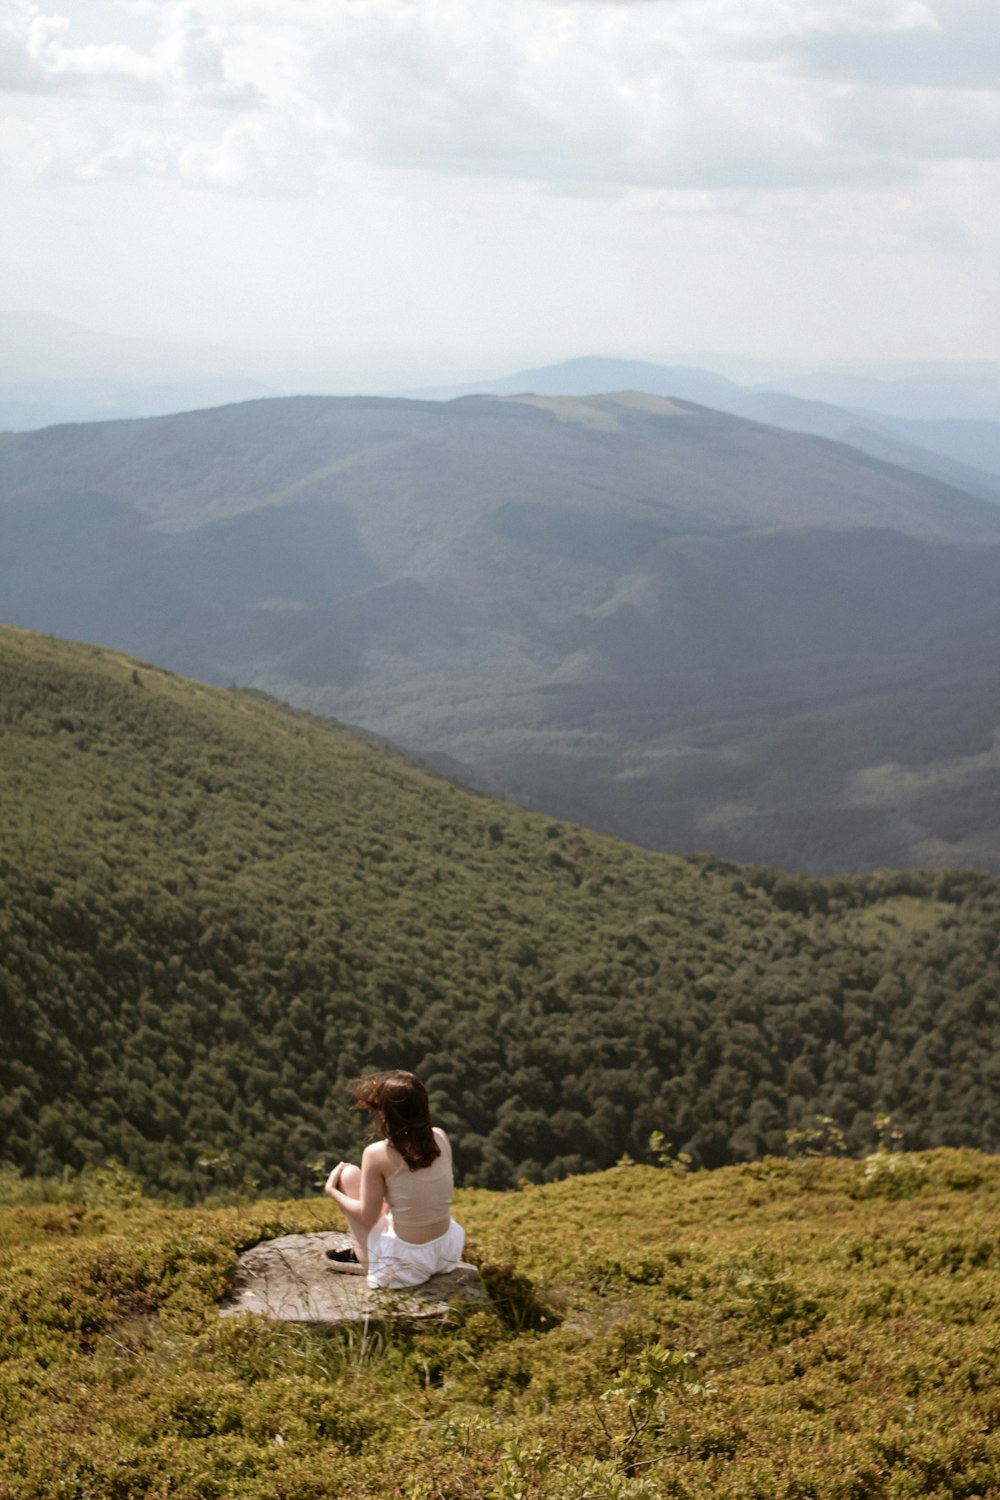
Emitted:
<point x="480" y="183"/>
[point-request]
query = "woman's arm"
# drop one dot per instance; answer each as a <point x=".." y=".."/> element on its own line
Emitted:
<point x="368" y="1206"/>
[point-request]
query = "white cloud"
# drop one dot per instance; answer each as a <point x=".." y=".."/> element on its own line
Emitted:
<point x="771" y="172"/>
<point x="39" y="54"/>
<point x="691" y="94"/>
<point x="193" y="58"/>
<point x="26" y="154"/>
<point x="35" y="56"/>
<point x="958" y="47"/>
<point x="924" y="124"/>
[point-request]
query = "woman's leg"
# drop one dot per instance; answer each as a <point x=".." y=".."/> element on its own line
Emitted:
<point x="350" y="1183"/>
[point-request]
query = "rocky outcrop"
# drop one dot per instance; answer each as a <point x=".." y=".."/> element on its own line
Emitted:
<point x="291" y="1280"/>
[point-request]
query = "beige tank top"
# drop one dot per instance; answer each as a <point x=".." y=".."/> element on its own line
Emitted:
<point x="421" y="1197"/>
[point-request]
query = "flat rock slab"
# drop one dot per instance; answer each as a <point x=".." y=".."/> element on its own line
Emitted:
<point x="291" y="1280"/>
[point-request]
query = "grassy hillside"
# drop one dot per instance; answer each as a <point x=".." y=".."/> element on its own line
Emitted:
<point x="782" y="1330"/>
<point x="216" y="911"/>
<point x="575" y="598"/>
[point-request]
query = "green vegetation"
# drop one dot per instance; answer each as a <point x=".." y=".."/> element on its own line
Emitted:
<point x="774" y="1331"/>
<point x="216" y="911"/>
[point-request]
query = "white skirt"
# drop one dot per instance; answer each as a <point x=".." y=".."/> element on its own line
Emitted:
<point x="393" y="1262"/>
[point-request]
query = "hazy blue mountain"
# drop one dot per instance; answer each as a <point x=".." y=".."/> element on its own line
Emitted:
<point x="55" y="371"/>
<point x="944" y="451"/>
<point x="950" y="458"/>
<point x="590" y="375"/>
<point x="973" y="443"/>
<point x="696" y="631"/>
<point x="964" y="393"/>
<point x="37" y="346"/>
<point x="51" y="403"/>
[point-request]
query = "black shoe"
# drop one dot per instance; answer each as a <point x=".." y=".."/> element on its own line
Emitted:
<point x="345" y="1257"/>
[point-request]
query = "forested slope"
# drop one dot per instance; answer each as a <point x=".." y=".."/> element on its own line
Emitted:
<point x="216" y="911"/>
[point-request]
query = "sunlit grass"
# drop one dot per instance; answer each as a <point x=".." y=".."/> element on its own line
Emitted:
<point x="779" y="1329"/>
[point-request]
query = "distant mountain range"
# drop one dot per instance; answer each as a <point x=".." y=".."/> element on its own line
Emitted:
<point x="918" y="392"/>
<point x="940" y="420"/>
<point x="963" y="452"/>
<point x="53" y="370"/>
<point x="692" y="630"/>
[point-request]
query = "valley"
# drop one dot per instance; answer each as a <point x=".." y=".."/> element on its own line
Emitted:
<point x="680" y="627"/>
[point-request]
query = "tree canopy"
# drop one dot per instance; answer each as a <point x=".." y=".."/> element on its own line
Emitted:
<point x="216" y="911"/>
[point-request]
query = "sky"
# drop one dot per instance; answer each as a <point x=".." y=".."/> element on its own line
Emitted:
<point x="483" y="184"/>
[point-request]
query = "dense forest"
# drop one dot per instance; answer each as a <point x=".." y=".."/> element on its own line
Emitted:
<point x="215" y="911"/>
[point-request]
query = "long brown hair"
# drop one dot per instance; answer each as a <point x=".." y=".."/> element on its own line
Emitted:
<point x="398" y="1101"/>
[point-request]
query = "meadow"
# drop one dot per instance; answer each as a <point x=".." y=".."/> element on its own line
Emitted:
<point x="790" y="1328"/>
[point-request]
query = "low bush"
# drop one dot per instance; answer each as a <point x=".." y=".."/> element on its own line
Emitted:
<point x="651" y="1334"/>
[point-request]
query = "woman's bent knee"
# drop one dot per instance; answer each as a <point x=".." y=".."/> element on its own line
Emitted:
<point x="350" y="1180"/>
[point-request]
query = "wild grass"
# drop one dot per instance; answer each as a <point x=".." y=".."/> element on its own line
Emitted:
<point x="761" y="1331"/>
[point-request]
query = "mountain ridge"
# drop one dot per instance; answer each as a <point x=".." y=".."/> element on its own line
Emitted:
<point x="542" y="589"/>
<point x="100" y="383"/>
<point x="962" y="453"/>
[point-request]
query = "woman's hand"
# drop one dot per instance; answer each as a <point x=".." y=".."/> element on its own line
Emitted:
<point x="333" y="1181"/>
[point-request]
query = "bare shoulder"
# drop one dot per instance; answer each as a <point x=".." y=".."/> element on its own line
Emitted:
<point x="376" y="1155"/>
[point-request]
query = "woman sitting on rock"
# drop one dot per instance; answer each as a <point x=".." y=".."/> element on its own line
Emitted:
<point x="398" y="1203"/>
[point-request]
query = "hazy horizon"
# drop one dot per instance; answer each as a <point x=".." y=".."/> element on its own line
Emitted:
<point x="742" y="366"/>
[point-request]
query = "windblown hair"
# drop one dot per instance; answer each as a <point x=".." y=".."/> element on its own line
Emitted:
<point x="402" y="1115"/>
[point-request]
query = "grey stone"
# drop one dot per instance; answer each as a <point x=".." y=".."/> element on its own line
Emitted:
<point x="291" y="1280"/>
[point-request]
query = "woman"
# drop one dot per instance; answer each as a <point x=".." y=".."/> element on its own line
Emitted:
<point x="398" y="1204"/>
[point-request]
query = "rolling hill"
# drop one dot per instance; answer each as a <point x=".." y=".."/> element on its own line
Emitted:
<point x="681" y="627"/>
<point x="215" y="911"/>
